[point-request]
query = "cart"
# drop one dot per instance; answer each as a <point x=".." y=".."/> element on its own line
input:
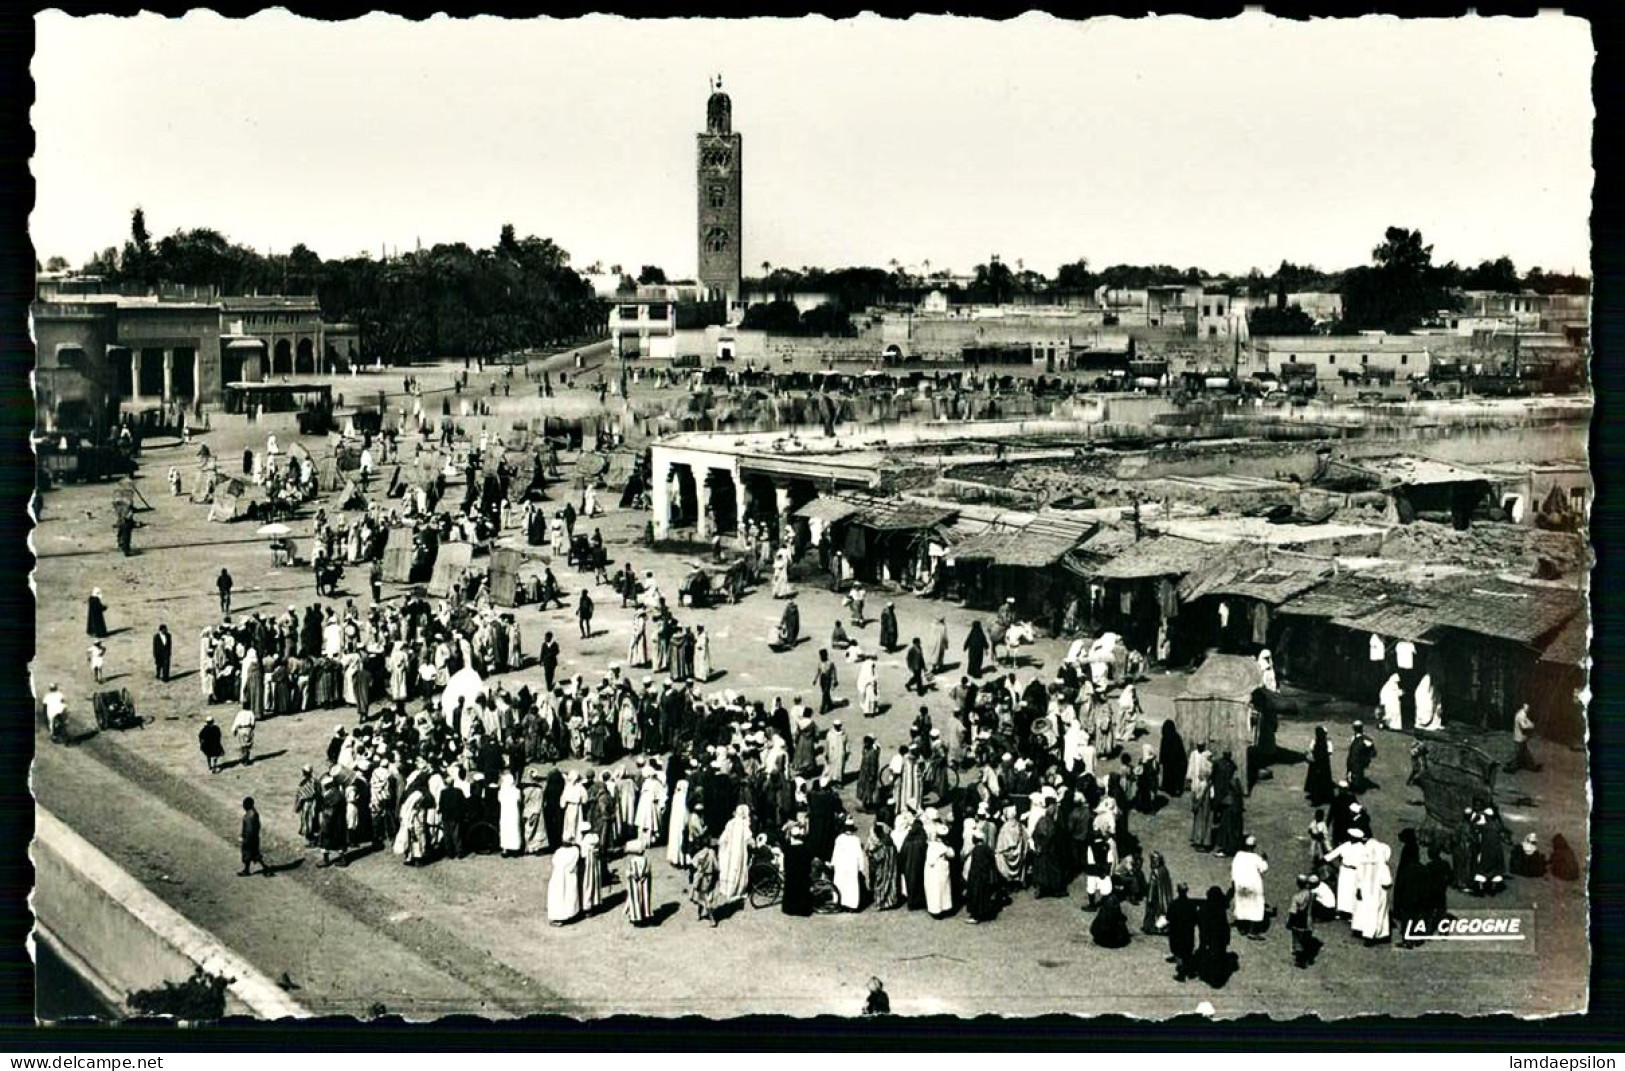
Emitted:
<point x="114" y="710"/>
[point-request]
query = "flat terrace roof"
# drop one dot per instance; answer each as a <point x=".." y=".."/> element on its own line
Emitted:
<point x="1228" y="530"/>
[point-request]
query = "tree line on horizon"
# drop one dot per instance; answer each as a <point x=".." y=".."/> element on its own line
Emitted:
<point x="447" y="299"/>
<point x="521" y="293"/>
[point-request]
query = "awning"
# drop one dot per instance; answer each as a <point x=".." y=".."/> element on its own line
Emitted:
<point x="1158" y="556"/>
<point x="826" y="510"/>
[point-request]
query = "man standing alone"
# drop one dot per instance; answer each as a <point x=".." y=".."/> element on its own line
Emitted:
<point x="163" y="647"/>
<point x="251" y="840"/>
<point x="223" y="584"/>
<point x="584" y="614"/>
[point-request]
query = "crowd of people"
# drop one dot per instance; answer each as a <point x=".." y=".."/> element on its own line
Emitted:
<point x="1028" y="784"/>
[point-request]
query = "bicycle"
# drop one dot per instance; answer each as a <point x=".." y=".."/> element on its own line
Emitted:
<point x="766" y="883"/>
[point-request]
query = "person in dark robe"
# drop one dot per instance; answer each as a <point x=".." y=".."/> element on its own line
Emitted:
<point x="1463" y="846"/>
<point x="1433" y="903"/>
<point x="335" y="829"/>
<point x="983" y="890"/>
<point x="1489" y="859"/>
<point x="789" y="627"/>
<point x="251" y="853"/>
<point x="1213" y="928"/>
<point x="824" y="819"/>
<point x="911" y="862"/>
<point x="883" y="873"/>
<point x="1563" y="864"/>
<point x="553" y="808"/>
<point x="1183" y="917"/>
<point x="212" y="744"/>
<point x="798" y="864"/>
<point x="1228" y="817"/>
<point x="975" y="648"/>
<point x="1172" y="759"/>
<point x="1049" y="855"/>
<point x="1528" y="861"/>
<point x="1318" y="787"/>
<point x="804" y="750"/>
<point x="1158" y="897"/>
<point x="1361" y="753"/>
<point x="888" y="628"/>
<point x="1110" y="927"/>
<point x="96" y="616"/>
<point x="1408" y="893"/>
<point x="868" y="785"/>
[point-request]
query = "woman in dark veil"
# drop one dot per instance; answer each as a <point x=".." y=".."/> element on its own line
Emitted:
<point x="1318" y="786"/>
<point x="1171" y="758"/>
<point x="553" y="808"/>
<point x="883" y="868"/>
<point x="1410" y="886"/>
<point x="96" y="616"/>
<point x="1159" y="895"/>
<point x="1213" y="929"/>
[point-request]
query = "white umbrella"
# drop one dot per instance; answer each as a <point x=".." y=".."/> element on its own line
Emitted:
<point x="276" y="531"/>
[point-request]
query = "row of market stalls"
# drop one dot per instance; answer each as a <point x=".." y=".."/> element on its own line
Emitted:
<point x="1336" y="618"/>
<point x="1486" y="642"/>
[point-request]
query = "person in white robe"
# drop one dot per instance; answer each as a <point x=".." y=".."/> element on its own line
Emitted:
<point x="1348" y="857"/>
<point x="1374" y="886"/>
<point x="1266" y="670"/>
<point x="835" y="754"/>
<point x="869" y="687"/>
<point x="781" y="576"/>
<point x="1247" y="871"/>
<point x="1389" y="699"/>
<point x="573" y="798"/>
<point x="733" y="857"/>
<point x="592" y="872"/>
<point x="564" y="886"/>
<point x="508" y="830"/>
<point x="675" y="854"/>
<point x="1428" y="719"/>
<point x="939" y="874"/>
<point x="1078" y="752"/>
<point x="851" y="866"/>
<point x="651" y="805"/>
<point x="702" y="654"/>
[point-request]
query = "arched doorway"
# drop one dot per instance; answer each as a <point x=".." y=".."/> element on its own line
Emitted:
<point x="305" y="363"/>
<point x="282" y="358"/>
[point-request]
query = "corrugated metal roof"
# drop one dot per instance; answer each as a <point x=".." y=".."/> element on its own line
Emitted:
<point x="1157" y="556"/>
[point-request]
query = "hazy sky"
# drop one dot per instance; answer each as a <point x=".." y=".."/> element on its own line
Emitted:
<point x="1169" y="140"/>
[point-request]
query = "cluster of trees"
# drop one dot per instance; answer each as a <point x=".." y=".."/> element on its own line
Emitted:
<point x="783" y="317"/>
<point x="447" y="300"/>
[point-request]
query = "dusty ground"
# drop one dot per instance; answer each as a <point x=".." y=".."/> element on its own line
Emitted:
<point x="471" y="935"/>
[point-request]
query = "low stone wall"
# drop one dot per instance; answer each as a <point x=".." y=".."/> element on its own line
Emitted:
<point x="120" y="937"/>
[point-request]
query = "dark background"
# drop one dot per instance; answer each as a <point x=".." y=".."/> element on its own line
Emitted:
<point x="1603" y="1029"/>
